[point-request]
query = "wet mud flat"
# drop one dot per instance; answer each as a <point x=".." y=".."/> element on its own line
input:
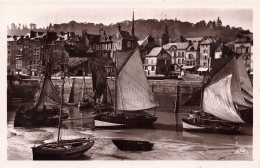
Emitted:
<point x="170" y="141"/>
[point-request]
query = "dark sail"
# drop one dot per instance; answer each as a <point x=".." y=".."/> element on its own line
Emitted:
<point x="241" y="88"/>
<point x="99" y="78"/>
<point x="49" y="97"/>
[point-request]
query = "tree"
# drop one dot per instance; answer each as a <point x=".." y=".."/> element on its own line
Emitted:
<point x="200" y="25"/>
<point x="32" y="26"/>
<point x="13" y="26"/>
<point x="50" y="26"/>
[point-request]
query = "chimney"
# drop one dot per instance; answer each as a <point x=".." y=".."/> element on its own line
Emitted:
<point x="181" y="38"/>
<point x="190" y="42"/>
<point x="101" y="31"/>
<point x="15" y="37"/>
<point x="119" y="27"/>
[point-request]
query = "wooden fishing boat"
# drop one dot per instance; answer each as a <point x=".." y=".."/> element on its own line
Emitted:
<point x="46" y="109"/>
<point x="223" y="100"/>
<point x="133" y="94"/>
<point x="62" y="149"/>
<point x="132" y="145"/>
<point x="65" y="149"/>
<point x="84" y="103"/>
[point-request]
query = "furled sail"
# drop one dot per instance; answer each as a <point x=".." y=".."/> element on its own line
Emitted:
<point x="133" y="90"/>
<point x="217" y="100"/>
<point x="71" y="97"/>
<point x="238" y="82"/>
<point x="246" y="85"/>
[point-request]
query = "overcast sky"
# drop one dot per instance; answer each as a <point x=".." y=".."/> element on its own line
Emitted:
<point x="42" y="17"/>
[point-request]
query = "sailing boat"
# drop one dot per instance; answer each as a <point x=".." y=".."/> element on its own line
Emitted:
<point x="84" y="103"/>
<point x="62" y="149"/>
<point x="224" y="101"/>
<point x="133" y="94"/>
<point x="46" y="109"/>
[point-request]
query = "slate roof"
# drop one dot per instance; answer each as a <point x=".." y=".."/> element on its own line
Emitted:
<point x="125" y="35"/>
<point x="182" y="45"/>
<point x="155" y="51"/>
<point x="208" y="41"/>
<point x="195" y="39"/>
<point x="168" y="46"/>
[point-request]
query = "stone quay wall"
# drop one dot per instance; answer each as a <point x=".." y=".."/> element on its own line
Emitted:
<point x="165" y="91"/>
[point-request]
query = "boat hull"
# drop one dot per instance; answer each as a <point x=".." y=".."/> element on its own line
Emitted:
<point x="130" y="145"/>
<point x="69" y="149"/>
<point x="32" y="118"/>
<point x="85" y="105"/>
<point x="131" y="121"/>
<point x="210" y="127"/>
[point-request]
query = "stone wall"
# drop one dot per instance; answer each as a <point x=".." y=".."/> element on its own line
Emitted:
<point x="165" y="91"/>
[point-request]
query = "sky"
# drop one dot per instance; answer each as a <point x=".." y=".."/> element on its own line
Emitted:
<point x="43" y="16"/>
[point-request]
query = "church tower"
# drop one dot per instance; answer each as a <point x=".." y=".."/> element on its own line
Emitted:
<point x="165" y="35"/>
<point x="133" y="25"/>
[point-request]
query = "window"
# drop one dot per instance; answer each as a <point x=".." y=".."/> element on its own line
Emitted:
<point x="174" y="53"/>
<point x="151" y="61"/>
<point x="190" y="56"/>
<point x="183" y="61"/>
<point x="129" y="44"/>
<point x="119" y="44"/>
<point x="179" y="54"/>
<point x="182" y="54"/>
<point x="247" y="49"/>
<point x="205" y="57"/>
<point x="153" y="68"/>
<point x="179" y="61"/>
<point x="204" y="63"/>
<point x="146" y="61"/>
<point x="237" y="49"/>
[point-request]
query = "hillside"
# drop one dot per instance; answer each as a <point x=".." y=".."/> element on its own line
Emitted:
<point x="142" y="28"/>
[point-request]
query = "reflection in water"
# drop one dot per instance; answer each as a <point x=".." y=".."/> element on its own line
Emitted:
<point x="170" y="141"/>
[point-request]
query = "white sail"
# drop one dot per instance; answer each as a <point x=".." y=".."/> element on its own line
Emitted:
<point x="133" y="90"/>
<point x="217" y="100"/>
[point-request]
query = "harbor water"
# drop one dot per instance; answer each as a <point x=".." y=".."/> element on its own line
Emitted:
<point x="170" y="141"/>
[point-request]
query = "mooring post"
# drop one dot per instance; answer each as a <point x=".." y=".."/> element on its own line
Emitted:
<point x="177" y="99"/>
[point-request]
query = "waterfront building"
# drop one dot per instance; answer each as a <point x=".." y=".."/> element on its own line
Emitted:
<point x="207" y="52"/>
<point x="244" y="46"/>
<point x="157" y="62"/>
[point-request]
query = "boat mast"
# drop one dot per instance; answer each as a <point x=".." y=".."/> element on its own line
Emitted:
<point x="61" y="103"/>
<point x="115" y="69"/>
<point x="83" y="90"/>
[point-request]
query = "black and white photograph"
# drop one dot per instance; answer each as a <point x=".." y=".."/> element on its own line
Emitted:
<point x="118" y="81"/>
